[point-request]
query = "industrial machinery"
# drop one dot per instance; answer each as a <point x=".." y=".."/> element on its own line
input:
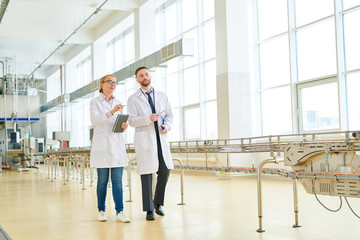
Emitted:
<point x="64" y="137"/>
<point x="325" y="163"/>
<point x="18" y="110"/>
<point x="326" y="168"/>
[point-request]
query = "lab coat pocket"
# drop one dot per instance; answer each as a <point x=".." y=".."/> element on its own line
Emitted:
<point x="98" y="142"/>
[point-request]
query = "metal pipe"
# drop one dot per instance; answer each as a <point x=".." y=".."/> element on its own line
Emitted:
<point x="28" y="100"/>
<point x="3" y="68"/>
<point x="6" y="134"/>
<point x="181" y="180"/>
<point x="64" y="169"/>
<point x="48" y="163"/>
<point x="129" y="178"/>
<point x="296" y="207"/>
<point x="83" y="173"/>
<point x="53" y="168"/>
<point x="260" y="229"/>
<point x="61" y="109"/>
<point x="3" y="73"/>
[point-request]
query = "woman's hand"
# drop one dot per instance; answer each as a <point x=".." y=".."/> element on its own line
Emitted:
<point x="117" y="107"/>
<point x="124" y="125"/>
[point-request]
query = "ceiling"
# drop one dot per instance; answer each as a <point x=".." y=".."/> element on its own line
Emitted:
<point x="31" y="30"/>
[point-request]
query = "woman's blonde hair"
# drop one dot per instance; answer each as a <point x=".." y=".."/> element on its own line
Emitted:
<point x="102" y="80"/>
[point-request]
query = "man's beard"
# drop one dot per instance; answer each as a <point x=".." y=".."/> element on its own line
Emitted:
<point x="145" y="84"/>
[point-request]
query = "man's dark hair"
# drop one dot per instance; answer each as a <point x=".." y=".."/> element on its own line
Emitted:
<point x="140" y="68"/>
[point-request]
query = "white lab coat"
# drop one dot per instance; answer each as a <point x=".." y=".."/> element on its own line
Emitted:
<point x="107" y="148"/>
<point x="139" y="111"/>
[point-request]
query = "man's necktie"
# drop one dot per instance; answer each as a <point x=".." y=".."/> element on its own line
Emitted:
<point x="151" y="102"/>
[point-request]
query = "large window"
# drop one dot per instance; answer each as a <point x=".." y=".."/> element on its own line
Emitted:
<point x="308" y="10"/>
<point x="316" y="50"/>
<point x="352" y="39"/>
<point x="274" y="72"/>
<point x="272" y="17"/>
<point x="190" y="8"/>
<point x="80" y="123"/>
<point x="274" y="62"/>
<point x="353" y="86"/>
<point x="170" y="23"/>
<point x="319" y="105"/>
<point x="190" y="81"/>
<point x="120" y="51"/>
<point x="53" y="86"/>
<point x="307" y="64"/>
<point x="53" y="123"/>
<point x="276" y="111"/>
<point x="83" y="70"/>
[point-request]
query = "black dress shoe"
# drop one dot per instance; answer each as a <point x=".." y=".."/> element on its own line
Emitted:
<point x="150" y="215"/>
<point x="159" y="210"/>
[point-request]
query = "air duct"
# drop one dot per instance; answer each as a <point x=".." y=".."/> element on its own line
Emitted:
<point x="4" y="5"/>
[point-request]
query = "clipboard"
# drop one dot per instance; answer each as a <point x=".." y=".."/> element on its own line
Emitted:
<point x="119" y="120"/>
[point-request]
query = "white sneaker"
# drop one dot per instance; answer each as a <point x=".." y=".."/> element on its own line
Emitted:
<point x="120" y="217"/>
<point x="102" y="216"/>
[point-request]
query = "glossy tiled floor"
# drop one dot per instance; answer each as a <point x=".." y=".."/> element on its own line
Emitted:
<point x="32" y="207"/>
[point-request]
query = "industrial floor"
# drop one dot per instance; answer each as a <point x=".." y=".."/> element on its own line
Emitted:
<point x="32" y="207"/>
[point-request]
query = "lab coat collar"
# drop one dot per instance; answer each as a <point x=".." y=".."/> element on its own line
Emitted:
<point x="141" y="94"/>
<point x="107" y="104"/>
<point x="103" y="95"/>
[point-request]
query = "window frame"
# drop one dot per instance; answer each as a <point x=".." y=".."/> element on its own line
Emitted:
<point x="313" y="83"/>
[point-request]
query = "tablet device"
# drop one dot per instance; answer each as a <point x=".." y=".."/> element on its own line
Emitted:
<point x="119" y="120"/>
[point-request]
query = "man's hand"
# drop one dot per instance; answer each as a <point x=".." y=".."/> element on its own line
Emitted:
<point x="164" y="129"/>
<point x="154" y="117"/>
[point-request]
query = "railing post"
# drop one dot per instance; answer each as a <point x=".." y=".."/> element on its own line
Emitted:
<point x="181" y="181"/>
<point x="129" y="178"/>
<point x="260" y="229"/>
<point x="296" y="207"/>
<point x="83" y="172"/>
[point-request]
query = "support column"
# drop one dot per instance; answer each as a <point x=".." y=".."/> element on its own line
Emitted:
<point x="98" y="54"/>
<point x="233" y="69"/>
<point x="144" y="26"/>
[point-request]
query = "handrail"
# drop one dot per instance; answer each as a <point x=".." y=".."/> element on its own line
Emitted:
<point x="181" y="181"/>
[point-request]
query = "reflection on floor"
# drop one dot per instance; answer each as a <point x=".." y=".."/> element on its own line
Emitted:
<point x="32" y="207"/>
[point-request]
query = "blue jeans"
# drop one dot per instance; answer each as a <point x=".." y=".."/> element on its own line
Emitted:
<point x="117" y="190"/>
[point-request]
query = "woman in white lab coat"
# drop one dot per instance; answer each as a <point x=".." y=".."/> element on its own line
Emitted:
<point x="150" y="113"/>
<point x="108" y="152"/>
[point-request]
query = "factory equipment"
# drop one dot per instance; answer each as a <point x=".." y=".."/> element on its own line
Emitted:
<point x="39" y="143"/>
<point x="64" y="137"/>
<point x="18" y="110"/>
<point x="17" y="113"/>
<point x="333" y="166"/>
<point x="325" y="163"/>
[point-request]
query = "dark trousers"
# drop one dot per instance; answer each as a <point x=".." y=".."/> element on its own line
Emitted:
<point x="162" y="179"/>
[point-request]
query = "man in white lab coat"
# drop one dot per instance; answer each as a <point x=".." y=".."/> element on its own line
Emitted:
<point x="151" y="115"/>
